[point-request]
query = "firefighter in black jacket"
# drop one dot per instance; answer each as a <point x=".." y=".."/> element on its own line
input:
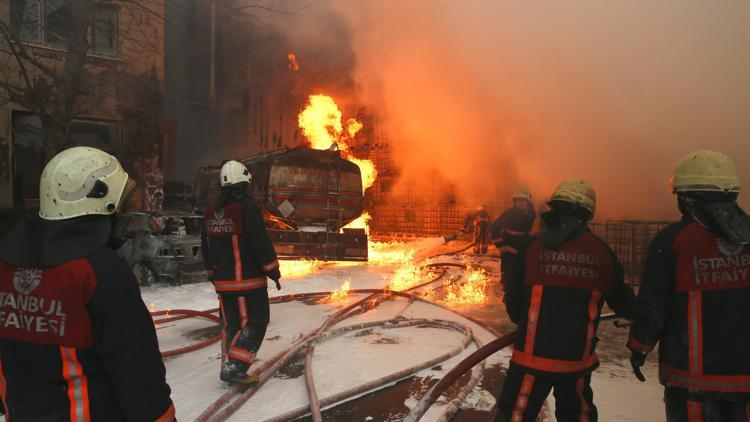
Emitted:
<point x="240" y="258"/>
<point x="76" y="340"/>
<point x="512" y="229"/>
<point x="478" y="223"/>
<point x="555" y="295"/>
<point x="694" y="298"/>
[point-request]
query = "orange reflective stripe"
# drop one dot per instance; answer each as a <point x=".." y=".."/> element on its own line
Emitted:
<point x="241" y="354"/>
<point x="78" y="389"/>
<point x="585" y="408"/>
<point x="694" y="411"/>
<point x="639" y="347"/>
<point x="536" y="302"/>
<point x="553" y="365"/>
<point x="4" y="391"/>
<point x="237" y="258"/>
<point x="237" y="285"/>
<point x="695" y="332"/>
<point x="593" y="315"/>
<point x="271" y="265"/>
<point x="223" y="330"/>
<point x="725" y="383"/>
<point x="242" y="305"/>
<point x="168" y="416"/>
<point x="523" y="398"/>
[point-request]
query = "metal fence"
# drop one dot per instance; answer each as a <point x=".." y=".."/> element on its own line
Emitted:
<point x="630" y="241"/>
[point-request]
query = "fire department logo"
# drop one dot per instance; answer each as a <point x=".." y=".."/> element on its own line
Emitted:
<point x="25" y="280"/>
<point x="219" y="214"/>
<point x="727" y="249"/>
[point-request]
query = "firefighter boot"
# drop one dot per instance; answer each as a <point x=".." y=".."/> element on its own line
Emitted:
<point x="235" y="373"/>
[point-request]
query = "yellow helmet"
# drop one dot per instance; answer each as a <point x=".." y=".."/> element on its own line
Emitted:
<point x="522" y="193"/>
<point x="705" y="171"/>
<point x="576" y="191"/>
<point x="82" y="181"/>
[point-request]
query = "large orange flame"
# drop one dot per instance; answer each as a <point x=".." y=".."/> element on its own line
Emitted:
<point x="321" y="124"/>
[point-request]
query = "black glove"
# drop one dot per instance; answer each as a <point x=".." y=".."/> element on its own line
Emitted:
<point x="636" y="361"/>
<point x="275" y="275"/>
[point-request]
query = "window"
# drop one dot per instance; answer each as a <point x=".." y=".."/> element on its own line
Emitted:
<point x="26" y="18"/>
<point x="28" y="152"/>
<point x="49" y="23"/>
<point x="105" y="32"/>
<point x="58" y="23"/>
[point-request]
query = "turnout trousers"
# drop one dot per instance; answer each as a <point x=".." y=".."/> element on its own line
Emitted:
<point x="683" y="405"/>
<point x="245" y="318"/>
<point x="481" y="237"/>
<point x="524" y="393"/>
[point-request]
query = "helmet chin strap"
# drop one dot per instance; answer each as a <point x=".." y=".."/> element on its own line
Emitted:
<point x="725" y="219"/>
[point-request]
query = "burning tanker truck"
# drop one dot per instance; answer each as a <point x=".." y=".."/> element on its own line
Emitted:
<point x="308" y="196"/>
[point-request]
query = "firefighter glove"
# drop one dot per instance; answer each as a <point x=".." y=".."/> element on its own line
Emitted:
<point x="275" y="275"/>
<point x="636" y="361"/>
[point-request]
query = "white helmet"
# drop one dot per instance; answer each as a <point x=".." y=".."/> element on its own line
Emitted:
<point x="82" y="181"/>
<point x="233" y="172"/>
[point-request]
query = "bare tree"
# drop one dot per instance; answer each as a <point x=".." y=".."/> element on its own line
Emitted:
<point x="49" y="62"/>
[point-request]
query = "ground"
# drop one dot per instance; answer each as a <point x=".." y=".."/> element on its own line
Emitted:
<point x="361" y="356"/>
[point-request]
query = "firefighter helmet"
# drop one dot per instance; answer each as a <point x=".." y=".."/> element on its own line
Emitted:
<point x="522" y="193"/>
<point x="233" y="172"/>
<point x="578" y="192"/>
<point x="705" y="171"/>
<point x="82" y="181"/>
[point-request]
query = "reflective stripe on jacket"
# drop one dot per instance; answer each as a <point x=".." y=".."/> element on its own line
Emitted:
<point x="695" y="302"/>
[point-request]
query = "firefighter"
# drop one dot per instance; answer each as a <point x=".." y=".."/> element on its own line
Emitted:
<point x="76" y="340"/>
<point x="694" y="298"/>
<point x="478" y="223"/>
<point x="240" y="258"/>
<point x="512" y="228"/>
<point x="555" y="293"/>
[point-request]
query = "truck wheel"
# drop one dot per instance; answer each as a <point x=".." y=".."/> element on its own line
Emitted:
<point x="144" y="274"/>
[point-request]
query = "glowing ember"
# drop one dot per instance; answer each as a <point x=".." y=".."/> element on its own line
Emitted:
<point x="290" y="269"/>
<point x="472" y="291"/>
<point x="293" y="65"/>
<point x="341" y="293"/>
<point x="320" y="122"/>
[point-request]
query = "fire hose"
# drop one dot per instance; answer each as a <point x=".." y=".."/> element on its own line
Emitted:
<point x="277" y="361"/>
<point x="454" y="374"/>
<point x="269" y="368"/>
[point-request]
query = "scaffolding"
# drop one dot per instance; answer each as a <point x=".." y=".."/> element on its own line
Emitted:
<point x="630" y="241"/>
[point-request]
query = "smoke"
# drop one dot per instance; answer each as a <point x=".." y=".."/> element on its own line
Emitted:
<point x="491" y="94"/>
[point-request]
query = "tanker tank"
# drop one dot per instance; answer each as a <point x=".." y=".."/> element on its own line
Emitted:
<point x="307" y="197"/>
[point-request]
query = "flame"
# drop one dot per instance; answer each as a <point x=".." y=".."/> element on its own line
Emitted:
<point x="361" y="223"/>
<point x="299" y="268"/>
<point x="293" y="65"/>
<point x="320" y="122"/>
<point x="390" y="253"/>
<point x="341" y="293"/>
<point x="409" y="275"/>
<point x="353" y="126"/>
<point x="472" y="291"/>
